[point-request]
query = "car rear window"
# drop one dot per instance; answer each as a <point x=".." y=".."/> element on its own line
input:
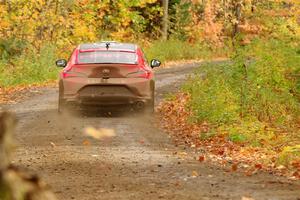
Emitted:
<point x="107" y="57"/>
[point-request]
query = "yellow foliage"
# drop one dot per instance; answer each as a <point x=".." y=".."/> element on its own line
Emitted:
<point x="289" y="154"/>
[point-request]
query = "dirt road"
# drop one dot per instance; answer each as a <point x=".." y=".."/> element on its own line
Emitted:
<point x="139" y="163"/>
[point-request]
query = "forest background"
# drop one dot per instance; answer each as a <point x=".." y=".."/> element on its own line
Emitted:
<point x="33" y="33"/>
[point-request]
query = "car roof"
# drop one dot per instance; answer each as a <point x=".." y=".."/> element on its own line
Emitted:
<point x="116" y="46"/>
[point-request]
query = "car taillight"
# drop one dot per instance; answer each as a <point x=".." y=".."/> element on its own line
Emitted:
<point x="140" y="74"/>
<point x="69" y="74"/>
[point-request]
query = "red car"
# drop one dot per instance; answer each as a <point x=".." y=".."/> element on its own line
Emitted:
<point x="107" y="74"/>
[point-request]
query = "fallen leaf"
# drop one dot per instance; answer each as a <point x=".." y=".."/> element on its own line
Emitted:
<point x="182" y="153"/>
<point x="142" y="142"/>
<point x="247" y="198"/>
<point x="177" y="184"/>
<point x="86" y="143"/>
<point x="221" y="152"/>
<point x="296" y="164"/>
<point x="258" y="166"/>
<point x="249" y="172"/>
<point x="293" y="178"/>
<point x="296" y="174"/>
<point x="201" y="158"/>
<point x="52" y="144"/>
<point x="99" y="133"/>
<point x="234" y="167"/>
<point x="281" y="167"/>
<point x="195" y="174"/>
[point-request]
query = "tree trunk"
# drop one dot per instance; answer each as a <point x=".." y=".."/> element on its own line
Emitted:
<point x="165" y="20"/>
<point x="238" y="15"/>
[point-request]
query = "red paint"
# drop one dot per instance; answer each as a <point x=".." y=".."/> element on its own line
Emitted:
<point x="144" y="72"/>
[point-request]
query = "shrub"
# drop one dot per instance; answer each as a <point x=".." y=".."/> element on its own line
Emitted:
<point x="173" y="49"/>
<point x="248" y="95"/>
<point x="30" y="67"/>
<point x="289" y="154"/>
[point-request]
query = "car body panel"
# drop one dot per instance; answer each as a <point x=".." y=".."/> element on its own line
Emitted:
<point x="101" y="84"/>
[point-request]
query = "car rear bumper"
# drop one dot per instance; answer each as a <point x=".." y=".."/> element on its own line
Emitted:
<point x="107" y="100"/>
<point x="114" y="91"/>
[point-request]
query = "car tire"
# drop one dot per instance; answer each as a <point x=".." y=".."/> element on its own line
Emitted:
<point x="149" y="109"/>
<point x="61" y="105"/>
<point x="61" y="101"/>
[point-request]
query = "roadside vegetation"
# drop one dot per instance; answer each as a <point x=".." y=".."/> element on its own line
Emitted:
<point x="33" y="34"/>
<point x="247" y="110"/>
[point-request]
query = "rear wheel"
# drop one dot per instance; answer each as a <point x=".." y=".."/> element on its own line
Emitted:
<point x="61" y="101"/>
<point x="149" y="109"/>
<point x="61" y="105"/>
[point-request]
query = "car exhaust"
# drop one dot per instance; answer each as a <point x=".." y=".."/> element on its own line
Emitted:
<point x="139" y="105"/>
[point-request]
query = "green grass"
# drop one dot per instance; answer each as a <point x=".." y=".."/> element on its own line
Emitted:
<point x="254" y="98"/>
<point x="30" y="67"/>
<point x="173" y="50"/>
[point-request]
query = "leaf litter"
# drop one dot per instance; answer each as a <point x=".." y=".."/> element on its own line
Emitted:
<point x="18" y="93"/>
<point x="174" y="118"/>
